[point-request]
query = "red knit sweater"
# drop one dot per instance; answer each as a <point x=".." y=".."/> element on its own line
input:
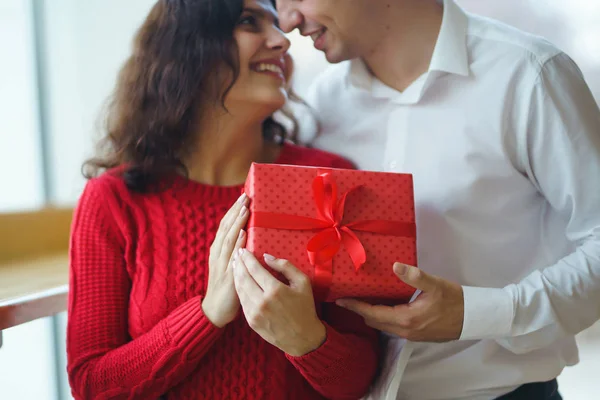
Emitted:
<point x="138" y="274"/>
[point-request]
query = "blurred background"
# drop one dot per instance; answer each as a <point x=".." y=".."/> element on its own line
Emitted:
<point x="58" y="64"/>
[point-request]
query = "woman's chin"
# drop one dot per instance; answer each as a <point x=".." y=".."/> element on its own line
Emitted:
<point x="271" y="99"/>
<point x="263" y="100"/>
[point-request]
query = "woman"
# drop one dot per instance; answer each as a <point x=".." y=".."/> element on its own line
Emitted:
<point x="153" y="308"/>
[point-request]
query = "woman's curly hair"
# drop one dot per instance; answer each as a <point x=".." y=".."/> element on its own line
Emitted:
<point x="174" y="69"/>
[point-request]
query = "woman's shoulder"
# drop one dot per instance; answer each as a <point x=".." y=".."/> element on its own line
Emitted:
<point x="105" y="194"/>
<point x="307" y="156"/>
<point x="109" y="182"/>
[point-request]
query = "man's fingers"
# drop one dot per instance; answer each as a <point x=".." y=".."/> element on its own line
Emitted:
<point x="378" y="314"/>
<point x="415" y="277"/>
<point x="391" y="329"/>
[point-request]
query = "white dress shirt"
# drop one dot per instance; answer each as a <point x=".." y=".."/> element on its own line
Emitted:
<point x="502" y="136"/>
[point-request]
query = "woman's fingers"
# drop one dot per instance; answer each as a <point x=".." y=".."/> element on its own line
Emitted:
<point x="225" y="225"/>
<point x="232" y="236"/>
<point x="240" y="243"/>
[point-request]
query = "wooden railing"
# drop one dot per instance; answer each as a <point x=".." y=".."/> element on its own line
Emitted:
<point x="33" y="265"/>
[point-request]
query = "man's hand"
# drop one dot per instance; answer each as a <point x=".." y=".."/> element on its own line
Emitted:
<point x="436" y="315"/>
<point x="283" y="315"/>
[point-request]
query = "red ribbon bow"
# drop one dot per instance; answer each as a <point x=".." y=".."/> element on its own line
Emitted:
<point x="323" y="246"/>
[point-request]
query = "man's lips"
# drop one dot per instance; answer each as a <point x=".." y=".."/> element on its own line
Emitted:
<point x="318" y="38"/>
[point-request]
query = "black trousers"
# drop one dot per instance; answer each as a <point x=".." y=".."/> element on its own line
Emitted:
<point x="531" y="391"/>
<point x="535" y="391"/>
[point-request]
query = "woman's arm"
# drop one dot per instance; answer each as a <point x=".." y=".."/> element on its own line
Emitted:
<point x="337" y="357"/>
<point x="344" y="366"/>
<point x="103" y="361"/>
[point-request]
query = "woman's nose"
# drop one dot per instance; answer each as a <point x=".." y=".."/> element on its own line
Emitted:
<point x="278" y="41"/>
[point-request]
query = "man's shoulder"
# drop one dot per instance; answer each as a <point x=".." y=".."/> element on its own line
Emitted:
<point x="488" y="36"/>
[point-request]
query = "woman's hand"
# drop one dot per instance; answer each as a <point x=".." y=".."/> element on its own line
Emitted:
<point x="283" y="315"/>
<point x="221" y="303"/>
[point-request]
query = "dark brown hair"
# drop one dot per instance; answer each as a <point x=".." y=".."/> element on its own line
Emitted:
<point x="173" y="71"/>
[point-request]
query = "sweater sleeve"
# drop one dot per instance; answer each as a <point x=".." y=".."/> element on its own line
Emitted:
<point x="103" y="361"/>
<point x="346" y="363"/>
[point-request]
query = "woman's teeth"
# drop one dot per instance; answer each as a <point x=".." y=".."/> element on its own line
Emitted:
<point x="268" y="67"/>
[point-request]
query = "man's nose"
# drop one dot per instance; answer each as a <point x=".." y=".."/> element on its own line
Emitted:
<point x="289" y="17"/>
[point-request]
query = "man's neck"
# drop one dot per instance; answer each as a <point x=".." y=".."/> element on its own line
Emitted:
<point x="404" y="53"/>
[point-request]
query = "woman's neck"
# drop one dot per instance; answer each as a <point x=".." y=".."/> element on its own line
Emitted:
<point x="226" y="147"/>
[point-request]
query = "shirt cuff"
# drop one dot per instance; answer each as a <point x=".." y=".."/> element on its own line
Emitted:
<point x="488" y="314"/>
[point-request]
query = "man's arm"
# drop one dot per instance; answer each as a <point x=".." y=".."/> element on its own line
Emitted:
<point x="560" y="152"/>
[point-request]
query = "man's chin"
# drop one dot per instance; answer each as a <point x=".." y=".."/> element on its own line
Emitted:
<point x="334" y="58"/>
<point x="337" y="54"/>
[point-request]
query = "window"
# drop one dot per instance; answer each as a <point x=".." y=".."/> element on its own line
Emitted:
<point x="27" y="354"/>
<point x="20" y="152"/>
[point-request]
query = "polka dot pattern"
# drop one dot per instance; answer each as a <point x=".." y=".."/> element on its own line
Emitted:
<point x="385" y="196"/>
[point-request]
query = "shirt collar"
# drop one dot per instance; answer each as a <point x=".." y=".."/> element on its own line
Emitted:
<point x="449" y="55"/>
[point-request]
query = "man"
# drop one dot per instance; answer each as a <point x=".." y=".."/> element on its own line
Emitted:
<point x="502" y="136"/>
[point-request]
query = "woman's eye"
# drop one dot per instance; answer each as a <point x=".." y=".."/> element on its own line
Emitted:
<point x="249" y="20"/>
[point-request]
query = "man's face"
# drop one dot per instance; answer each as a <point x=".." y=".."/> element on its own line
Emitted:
<point x="337" y="27"/>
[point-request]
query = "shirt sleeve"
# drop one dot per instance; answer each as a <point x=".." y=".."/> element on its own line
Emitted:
<point x="559" y="148"/>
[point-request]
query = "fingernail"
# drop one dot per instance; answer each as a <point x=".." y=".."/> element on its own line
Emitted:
<point x="243" y="211"/>
<point x="242" y="233"/>
<point x="242" y="198"/>
<point x="240" y="252"/>
<point x="269" y="257"/>
<point x="340" y="303"/>
<point x="400" y="268"/>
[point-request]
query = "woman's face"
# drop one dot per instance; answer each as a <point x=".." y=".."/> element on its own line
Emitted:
<point x="262" y="47"/>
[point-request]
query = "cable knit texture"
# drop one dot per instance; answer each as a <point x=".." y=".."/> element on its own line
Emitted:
<point x="138" y="274"/>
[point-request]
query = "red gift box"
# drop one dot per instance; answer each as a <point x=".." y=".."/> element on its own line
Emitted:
<point x="343" y="228"/>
